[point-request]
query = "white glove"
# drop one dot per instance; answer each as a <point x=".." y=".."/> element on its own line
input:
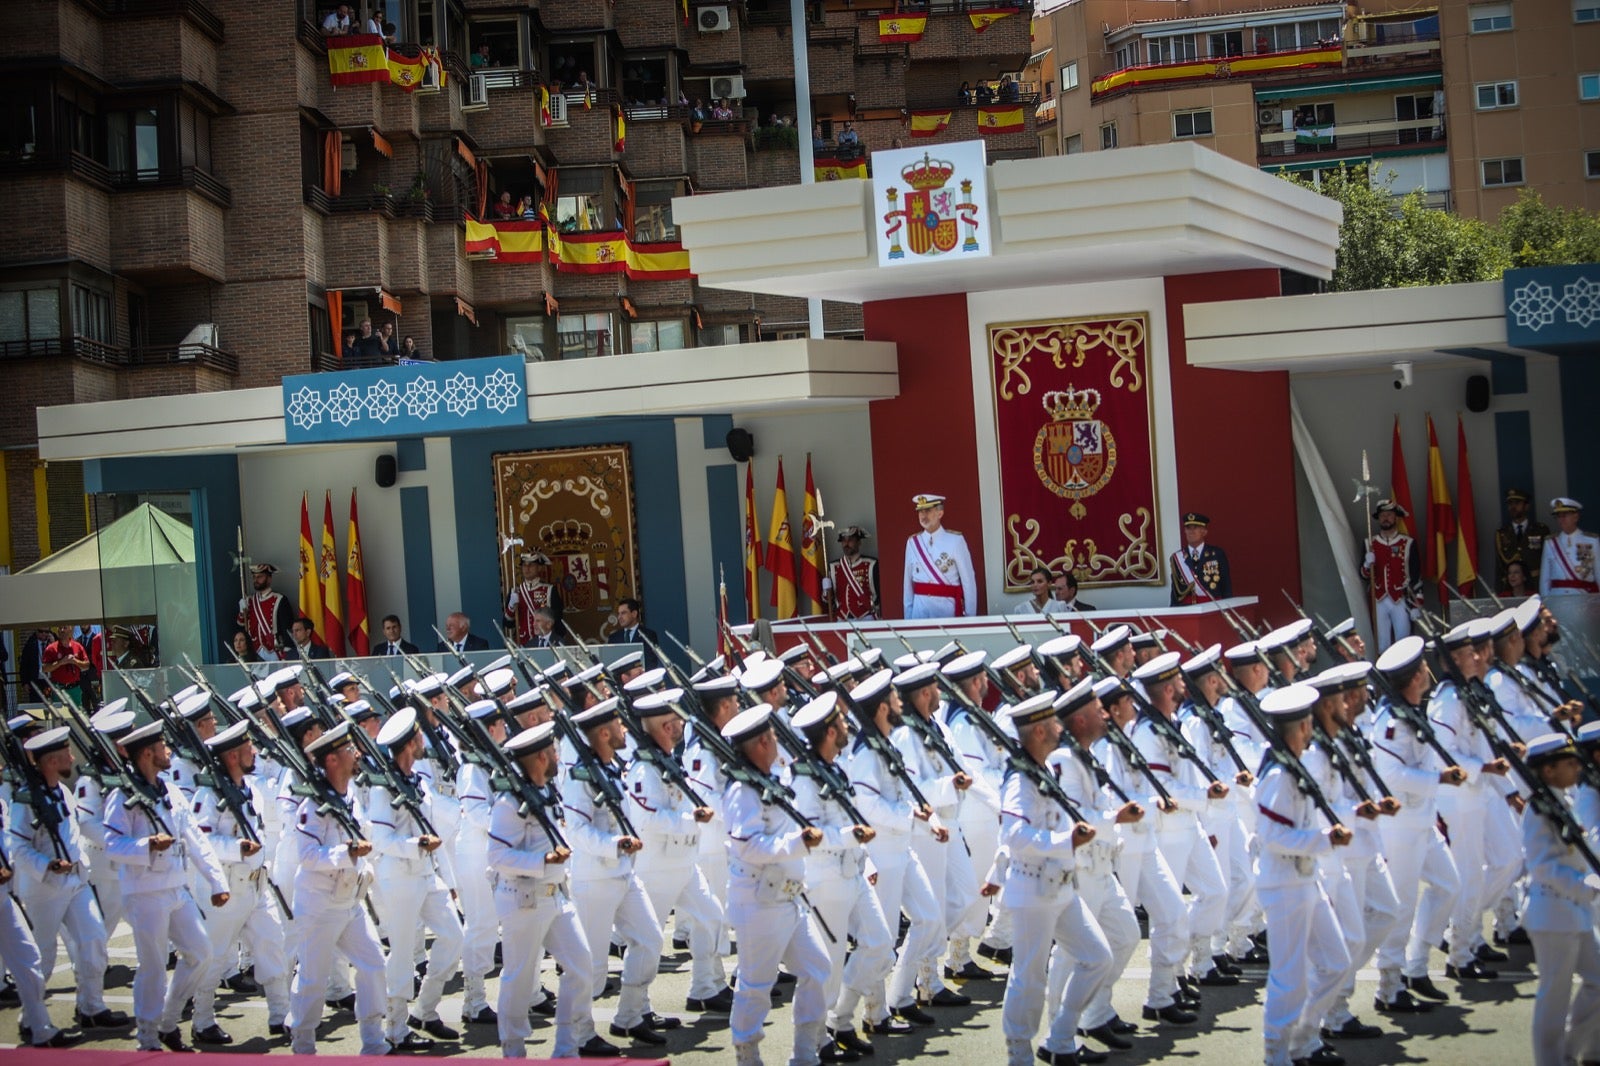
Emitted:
<point x="827" y="584"/>
<point x="1369" y="560"/>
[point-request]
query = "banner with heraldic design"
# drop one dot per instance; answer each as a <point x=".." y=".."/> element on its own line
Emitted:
<point x="1075" y="432"/>
<point x="935" y="205"/>
<point x="576" y="506"/>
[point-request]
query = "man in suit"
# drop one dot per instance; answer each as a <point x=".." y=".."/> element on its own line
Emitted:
<point x="304" y="635"/>
<point x="394" y="640"/>
<point x="1064" y="587"/>
<point x="544" y="629"/>
<point x="631" y="630"/>
<point x="458" y="628"/>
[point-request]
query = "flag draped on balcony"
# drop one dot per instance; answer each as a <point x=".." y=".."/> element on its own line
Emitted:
<point x="332" y="628"/>
<point x="621" y="142"/>
<point x="310" y="583"/>
<point x="544" y="107"/>
<point x="357" y="59"/>
<point x="901" y="29"/>
<point x="1400" y="483"/>
<point x="811" y="545"/>
<point x="1441" y="518"/>
<point x="829" y="168"/>
<point x="780" y="553"/>
<point x="355" y="587"/>
<point x="752" y="547"/>
<point x="1466" y="520"/>
<point x="1000" y="118"/>
<point x="982" y="20"/>
<point x="929" y="123"/>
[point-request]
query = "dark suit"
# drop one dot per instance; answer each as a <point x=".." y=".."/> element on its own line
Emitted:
<point x="318" y="651"/>
<point x="473" y="642"/>
<point x="406" y="648"/>
<point x="1210" y="570"/>
<point x="551" y="641"/>
<point x="1079" y="605"/>
<point x="632" y="636"/>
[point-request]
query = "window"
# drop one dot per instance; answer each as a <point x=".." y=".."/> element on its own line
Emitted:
<point x="1073" y="145"/>
<point x="1108" y="135"/>
<point x="720" y="333"/>
<point x="1420" y="108"/>
<point x="1589" y="86"/>
<point x="1230" y="43"/>
<point x="1502" y="172"/>
<point x="525" y="335"/>
<point x="581" y="201"/>
<point x="652" y="211"/>
<point x="25" y="121"/>
<point x="1585" y="11"/>
<point x="645" y="81"/>
<point x="1489" y="18"/>
<point x="30" y="314"/>
<point x="1497" y="94"/>
<point x="1069" y="76"/>
<point x="494" y="42"/>
<point x="586" y="336"/>
<point x="1591" y="164"/>
<point x="664" y="336"/>
<point x="1191" y="124"/>
<point x="321" y="333"/>
<point x="91" y="314"/>
<point x="1171" y="49"/>
<point x="1127" y="56"/>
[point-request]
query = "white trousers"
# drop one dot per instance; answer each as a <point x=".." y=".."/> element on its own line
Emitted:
<point x="328" y="934"/>
<point x="479" y="926"/>
<point x="552" y="923"/>
<point x="71" y="910"/>
<point x="1038" y="927"/>
<point x="1242" y="915"/>
<point x="1148" y="881"/>
<point x="1308" y="961"/>
<point x="408" y="899"/>
<point x="770" y="933"/>
<point x="851" y="909"/>
<point x="1566" y="1028"/>
<point x="1502" y="857"/>
<point x="1394" y="622"/>
<point x="161" y="919"/>
<point x="253" y="915"/>
<point x="1417" y="857"/>
<point x="1194" y="863"/>
<point x="1367" y="917"/>
<point x="1467" y="822"/>
<point x="680" y="886"/>
<point x="20" y="954"/>
<point x="103" y="876"/>
<point x="903" y="884"/>
<point x="1102" y="894"/>
<point x="620" y="904"/>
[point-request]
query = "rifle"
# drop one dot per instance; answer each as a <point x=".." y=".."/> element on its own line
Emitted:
<point x="1324" y="644"/>
<point x="1281" y="755"/>
<point x="880" y="746"/>
<point x="1220" y="733"/>
<point x="694" y="657"/>
<point x="1121" y="741"/>
<point x="1101" y="776"/>
<point x="28" y="786"/>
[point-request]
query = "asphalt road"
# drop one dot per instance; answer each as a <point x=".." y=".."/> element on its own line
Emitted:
<point x="1485" y="1022"/>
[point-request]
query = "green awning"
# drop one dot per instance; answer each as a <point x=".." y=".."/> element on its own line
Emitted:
<point x="1353" y="160"/>
<point x="1411" y="81"/>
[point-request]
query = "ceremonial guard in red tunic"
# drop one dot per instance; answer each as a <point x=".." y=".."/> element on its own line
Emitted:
<point x="1392" y="567"/>
<point x="266" y="616"/>
<point x="854" y="578"/>
<point x="533" y="592"/>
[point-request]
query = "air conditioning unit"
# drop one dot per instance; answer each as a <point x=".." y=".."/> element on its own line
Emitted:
<point x="429" y="82"/>
<point x="714" y="19"/>
<point x="204" y="335"/>
<point x="558" y="110"/>
<point x="477" y="94"/>
<point x="727" y="88"/>
<point x="347" y="155"/>
<point x="1267" y="118"/>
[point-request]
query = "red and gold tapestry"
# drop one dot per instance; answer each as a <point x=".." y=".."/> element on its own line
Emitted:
<point x="1075" y="434"/>
<point x="576" y="506"/>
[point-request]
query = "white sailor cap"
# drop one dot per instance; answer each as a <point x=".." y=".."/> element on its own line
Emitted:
<point x="1111" y="688"/>
<point x="359" y="711"/>
<point x="1065" y="646"/>
<point x="341" y="679"/>
<point x="839" y="672"/>
<point x="1529" y="611"/>
<point x="762" y="676"/>
<point x="527" y="700"/>
<point x="1589" y="733"/>
<point x="752" y="657"/>
<point x="1564" y="505"/>
<point x="554" y="671"/>
<point x="910" y="659"/>
<point x="1284" y="636"/>
<point x="478" y="710"/>
<point x="266" y="689"/>
<point x="1205" y="661"/>
<point x="142" y="737"/>
<point x="23" y="721"/>
<point x="232" y="737"/>
<point x="116" y="706"/>
<point x="917" y="677"/>
<point x="817" y="711"/>
<point x="113" y="725"/>
<point x="717" y="687"/>
<point x="582" y="677"/>
<point x="793" y="652"/>
<point x="298" y="721"/>
<point x="1152" y="639"/>
<point x="399" y="729"/>
<point x="1401" y="656"/>
<point x="195" y="707"/>
<point x="1468" y="633"/>
<point x="499" y="682"/>
<point x="1344" y="628"/>
<point x="1341" y="678"/>
<point x="531" y="740"/>
<point x="1031" y="710"/>
<point x="1503" y="623"/>
<point x="461" y="677"/>
<point x="646" y="681"/>
<point x="927" y="499"/>
<point x="1289" y="702"/>
<point x="945" y="652"/>
<point x="1076" y="697"/>
<point x="598" y="715"/>
<point x="748" y="724"/>
<point x="429" y="686"/>
<point x="871" y="657"/>
<point x="657" y="703"/>
<point x="709" y="670"/>
<point x="284" y="678"/>
<point x="502" y="663"/>
<point x="964" y="666"/>
<point x="49" y="741"/>
<point x="1016" y="656"/>
<point x="627" y="662"/>
<point x="337" y="737"/>
<point x="870" y="692"/>
<point x="1549" y="748"/>
<point x="247" y="693"/>
<point x="396" y="691"/>
<point x="1163" y="667"/>
<point x="183" y="693"/>
<point x="1112" y="639"/>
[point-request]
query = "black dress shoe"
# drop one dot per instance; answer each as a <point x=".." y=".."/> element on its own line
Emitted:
<point x="949" y="997"/>
<point x="1121" y="1026"/>
<point x="1000" y="955"/>
<point x="721" y="1003"/>
<point x="890" y="1026"/>
<point x="411" y="1042"/>
<point x="1057" y="1058"/>
<point x="1256" y="956"/>
<point x="1323" y="1056"/>
<point x="786" y="978"/>
<point x="832" y="1052"/>
<point x="1424" y="987"/>
<point x="547" y="1009"/>
<point x="343" y="1003"/>
<point x="1402" y="1003"/>
<point x="1485" y="953"/>
<point x="641" y="1033"/>
<point x="106" y="1019"/>
<point x="172" y="1040"/>
<point x="1109" y="1037"/>
<point x="211" y="1034"/>
<point x="662" y="1024"/>
<point x="598" y="1047"/>
<point x="1225" y="965"/>
<point x="1518" y="935"/>
<point x="970" y="971"/>
<point x="680" y="944"/>
<point x="617" y="951"/>
<point x="436" y="1028"/>
<point x="62" y="1039"/>
<point x="1172" y="1015"/>
<point x="485" y="1016"/>
<point x="1218" y="979"/>
<point x="1187" y="997"/>
<point x="242" y="984"/>
<point x="915" y="1015"/>
<point x="851" y="1039"/>
<point x="280" y="1030"/>
<point x="1354" y="1029"/>
<point x="8" y="994"/>
<point x="1472" y="971"/>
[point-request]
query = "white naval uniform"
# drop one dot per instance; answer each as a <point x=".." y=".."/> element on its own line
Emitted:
<point x="480" y="927"/>
<point x="1568" y="565"/>
<point x="766" y="871"/>
<point x="949" y="865"/>
<point x="980" y="809"/>
<point x="20" y="956"/>
<point x="706" y="777"/>
<point x="59" y="903"/>
<point x="412" y="883"/>
<point x="1040" y="889"/>
<point x="667" y="867"/>
<point x="1560" y="920"/>
<point x="156" y="893"/>
<point x="939" y="558"/>
<point x="533" y="904"/>
<point x="252" y="910"/>
<point x="330" y="886"/>
<point x="1230" y="821"/>
<point x="90" y="814"/>
<point x="1309" y="958"/>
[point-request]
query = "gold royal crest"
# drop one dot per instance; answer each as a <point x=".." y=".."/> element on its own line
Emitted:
<point x="1074" y="453"/>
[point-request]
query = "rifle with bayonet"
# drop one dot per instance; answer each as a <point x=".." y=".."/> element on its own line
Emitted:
<point x="1280" y="754"/>
<point x="1121" y="741"/>
<point x="28" y="787"/>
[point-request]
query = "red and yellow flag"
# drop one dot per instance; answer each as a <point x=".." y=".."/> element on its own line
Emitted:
<point x="901" y="29"/>
<point x="1466" y="520"/>
<point x="826" y="169"/>
<point x="982" y="20"/>
<point x="407" y="71"/>
<point x="357" y="59"/>
<point x="310" y="584"/>
<point x="752" y="547"/>
<point x="780" y="552"/>
<point x="1001" y="118"/>
<point x="1441" y="517"/>
<point x="355" y="587"/>
<point x="1400" y="482"/>
<point x="928" y="123"/>
<point x="811" y="545"/>
<point x="332" y="629"/>
<point x="544" y="106"/>
<point x="621" y="141"/>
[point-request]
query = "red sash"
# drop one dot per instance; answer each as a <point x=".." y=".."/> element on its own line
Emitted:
<point x="1197" y="588"/>
<point x="1572" y="580"/>
<point x="938" y="587"/>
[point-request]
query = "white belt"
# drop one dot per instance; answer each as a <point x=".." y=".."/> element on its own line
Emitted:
<point x="788" y="887"/>
<point x="674" y="840"/>
<point x="1050" y="874"/>
<point x="1562" y="892"/>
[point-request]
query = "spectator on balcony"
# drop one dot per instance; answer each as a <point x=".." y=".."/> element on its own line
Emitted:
<point x="337" y="24"/>
<point x="966" y="92"/>
<point x="409" y="349"/>
<point x="391" y="344"/>
<point x="1010" y="92"/>
<point x="819" y="143"/>
<point x="848" y="141"/>
<point x="481" y="58"/>
<point x="348" y="352"/>
<point x="722" y="112"/>
<point x="369" y="346"/>
<point x="985" y="93"/>
<point x="503" y="207"/>
<point x="582" y="84"/>
<point x="699" y="109"/>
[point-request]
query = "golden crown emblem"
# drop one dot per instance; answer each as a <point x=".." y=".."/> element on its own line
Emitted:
<point x="928" y="174"/>
<point x="1070" y="404"/>
<point x="566" y="535"/>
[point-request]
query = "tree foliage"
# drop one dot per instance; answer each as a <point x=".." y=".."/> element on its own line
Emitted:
<point x="1389" y="241"/>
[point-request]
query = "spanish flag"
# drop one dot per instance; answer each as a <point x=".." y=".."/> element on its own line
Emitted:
<point x="752" y="546"/>
<point x="901" y="29"/>
<point x="355" y="587"/>
<point x="658" y="262"/>
<point x="1441" y="516"/>
<point x="357" y="59"/>
<point x="929" y="123"/>
<point x="827" y="169"/>
<point x="590" y="253"/>
<point x="811" y="545"/>
<point x="310" y="584"/>
<point x="982" y="20"/>
<point x="406" y="71"/>
<point x="621" y="142"/>
<point x="1003" y="118"/>
<point x="544" y="106"/>
<point x="1400" y="482"/>
<point x="780" y="553"/>
<point x="332" y="629"/>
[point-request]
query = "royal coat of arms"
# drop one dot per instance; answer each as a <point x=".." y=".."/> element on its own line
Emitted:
<point x="1074" y="453"/>
<point x="933" y="205"/>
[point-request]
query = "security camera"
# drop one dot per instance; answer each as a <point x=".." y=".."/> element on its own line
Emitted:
<point x="1402" y="374"/>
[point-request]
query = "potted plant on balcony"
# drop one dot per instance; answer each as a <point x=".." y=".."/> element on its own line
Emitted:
<point x="419" y="199"/>
<point x="382" y="198"/>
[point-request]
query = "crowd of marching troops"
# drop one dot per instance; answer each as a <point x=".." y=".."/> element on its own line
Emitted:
<point x="862" y="832"/>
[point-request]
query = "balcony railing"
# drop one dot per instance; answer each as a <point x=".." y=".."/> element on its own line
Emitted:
<point x="185" y="355"/>
<point x="1332" y="141"/>
<point x="104" y="354"/>
<point x="1254" y="65"/>
<point x="193" y="178"/>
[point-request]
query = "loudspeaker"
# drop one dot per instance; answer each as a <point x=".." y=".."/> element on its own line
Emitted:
<point x="1478" y="393"/>
<point x="741" y="445"/>
<point x="383" y="471"/>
